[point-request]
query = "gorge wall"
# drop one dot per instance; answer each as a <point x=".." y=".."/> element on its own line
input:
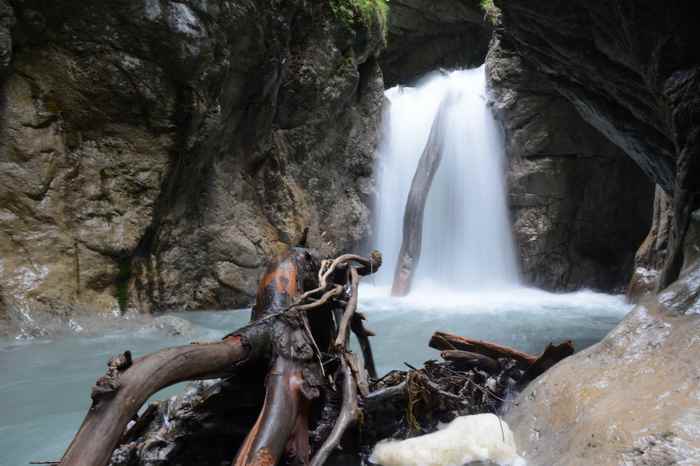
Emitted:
<point x="631" y="70"/>
<point x="425" y="35"/>
<point x="154" y="152"/>
<point x="580" y="205"/>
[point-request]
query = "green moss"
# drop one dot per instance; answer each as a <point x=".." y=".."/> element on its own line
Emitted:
<point x="122" y="283"/>
<point x="355" y="12"/>
<point x="491" y="11"/>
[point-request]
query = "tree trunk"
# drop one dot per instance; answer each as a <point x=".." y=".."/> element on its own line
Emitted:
<point x="411" y="244"/>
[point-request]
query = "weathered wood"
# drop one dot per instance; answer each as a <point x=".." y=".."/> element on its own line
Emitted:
<point x="447" y="341"/>
<point x="280" y="332"/>
<point x="551" y="355"/>
<point x="342" y="340"/>
<point x="282" y="426"/>
<point x="116" y="402"/>
<point x="284" y="417"/>
<point x="349" y="413"/>
<point x="467" y="360"/>
<point x="411" y="244"/>
<point x="363" y="334"/>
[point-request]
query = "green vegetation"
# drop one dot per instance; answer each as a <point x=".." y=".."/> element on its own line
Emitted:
<point x="352" y="12"/>
<point x="491" y="11"/>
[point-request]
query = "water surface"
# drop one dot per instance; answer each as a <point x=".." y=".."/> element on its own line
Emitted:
<point x="45" y="382"/>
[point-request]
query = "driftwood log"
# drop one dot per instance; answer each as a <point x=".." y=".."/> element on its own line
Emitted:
<point x="293" y="318"/>
<point x="485" y="355"/>
<point x="288" y="390"/>
<point x="447" y="341"/>
<point x="411" y="243"/>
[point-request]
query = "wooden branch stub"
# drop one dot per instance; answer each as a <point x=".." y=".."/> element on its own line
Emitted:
<point x="107" y="385"/>
<point x="453" y="347"/>
<point x="551" y="355"/>
<point x="343" y="336"/>
<point x="349" y="413"/>
<point x="363" y="334"/>
<point x="120" y="394"/>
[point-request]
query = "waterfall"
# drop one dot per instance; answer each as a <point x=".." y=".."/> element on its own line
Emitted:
<point x="467" y="240"/>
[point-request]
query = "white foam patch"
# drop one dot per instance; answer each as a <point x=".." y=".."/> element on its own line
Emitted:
<point x="481" y="437"/>
<point x="514" y="298"/>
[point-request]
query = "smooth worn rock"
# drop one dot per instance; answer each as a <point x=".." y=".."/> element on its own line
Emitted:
<point x="580" y="206"/>
<point x="155" y="152"/>
<point x="631" y="399"/>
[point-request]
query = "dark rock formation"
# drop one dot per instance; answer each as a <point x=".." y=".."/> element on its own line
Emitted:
<point x="580" y="206"/>
<point x="425" y="35"/>
<point x="632" y="71"/>
<point x="153" y="152"/>
<point x="651" y="255"/>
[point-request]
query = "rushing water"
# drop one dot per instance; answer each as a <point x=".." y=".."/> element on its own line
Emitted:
<point x="45" y="382"/>
<point x="467" y="283"/>
<point x="467" y="242"/>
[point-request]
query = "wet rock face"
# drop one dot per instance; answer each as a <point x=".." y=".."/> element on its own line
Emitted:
<point x="632" y="73"/>
<point x="617" y="64"/>
<point x="631" y="399"/>
<point x="154" y="152"/>
<point x="425" y="35"/>
<point x="580" y="206"/>
<point x="650" y="257"/>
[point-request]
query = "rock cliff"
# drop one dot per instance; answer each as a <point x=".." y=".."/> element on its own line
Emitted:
<point x="428" y="34"/>
<point x="154" y="152"/>
<point x="632" y="71"/>
<point x="580" y="205"/>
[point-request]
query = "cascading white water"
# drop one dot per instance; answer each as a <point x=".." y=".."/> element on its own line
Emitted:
<point x="467" y="241"/>
<point x="467" y="245"/>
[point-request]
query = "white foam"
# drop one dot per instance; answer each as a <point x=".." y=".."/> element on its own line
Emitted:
<point x="433" y="298"/>
<point x="480" y="437"/>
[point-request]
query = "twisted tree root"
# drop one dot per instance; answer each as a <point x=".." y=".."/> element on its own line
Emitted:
<point x="279" y="332"/>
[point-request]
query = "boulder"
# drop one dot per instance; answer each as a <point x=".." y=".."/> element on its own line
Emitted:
<point x="631" y="399"/>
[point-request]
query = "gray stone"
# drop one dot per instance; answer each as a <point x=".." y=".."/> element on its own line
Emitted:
<point x="173" y="325"/>
<point x="580" y="206"/>
<point x="631" y="399"/>
<point x="650" y="257"/>
<point x="154" y="154"/>
<point x="425" y="35"/>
